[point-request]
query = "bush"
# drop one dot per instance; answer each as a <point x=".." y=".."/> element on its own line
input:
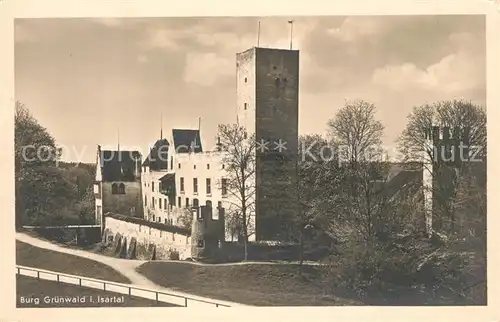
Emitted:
<point x="173" y="254"/>
<point x="409" y="270"/>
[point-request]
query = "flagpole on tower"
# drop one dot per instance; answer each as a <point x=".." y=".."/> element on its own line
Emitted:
<point x="258" y="34"/>
<point x="161" y="125"/>
<point x="291" y="33"/>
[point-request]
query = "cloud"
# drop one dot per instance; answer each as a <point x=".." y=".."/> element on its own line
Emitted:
<point x="162" y="39"/>
<point x="109" y="22"/>
<point x="142" y="59"/>
<point x="354" y="28"/>
<point x="454" y="74"/>
<point x="206" y="68"/>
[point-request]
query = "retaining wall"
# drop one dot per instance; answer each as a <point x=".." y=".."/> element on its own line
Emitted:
<point x="145" y="240"/>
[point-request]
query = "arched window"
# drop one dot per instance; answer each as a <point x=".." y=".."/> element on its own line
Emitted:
<point x="121" y="189"/>
<point x="114" y="188"/>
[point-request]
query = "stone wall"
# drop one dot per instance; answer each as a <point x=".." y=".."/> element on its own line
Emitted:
<point x="138" y="238"/>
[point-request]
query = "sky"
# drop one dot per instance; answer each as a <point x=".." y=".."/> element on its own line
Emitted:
<point x="87" y="79"/>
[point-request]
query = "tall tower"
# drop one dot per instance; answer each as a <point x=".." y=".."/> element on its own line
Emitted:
<point x="445" y="152"/>
<point x="268" y="105"/>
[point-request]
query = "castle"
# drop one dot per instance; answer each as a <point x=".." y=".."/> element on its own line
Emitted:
<point x="148" y="202"/>
<point x="179" y="178"/>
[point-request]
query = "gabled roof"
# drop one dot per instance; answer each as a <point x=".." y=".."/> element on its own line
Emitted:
<point x="184" y="139"/>
<point x="120" y="165"/>
<point x="157" y="158"/>
<point x="399" y="176"/>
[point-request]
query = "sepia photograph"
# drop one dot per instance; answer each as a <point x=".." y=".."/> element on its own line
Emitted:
<point x="250" y="161"/>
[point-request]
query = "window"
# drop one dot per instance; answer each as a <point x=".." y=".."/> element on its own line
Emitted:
<point x="209" y="186"/>
<point x="165" y="203"/>
<point x="153" y="202"/>
<point x="195" y="185"/>
<point x="179" y="202"/>
<point x="114" y="188"/>
<point x="159" y="203"/>
<point x="166" y="221"/>
<point x="195" y="203"/>
<point x="159" y="185"/>
<point x="154" y="219"/>
<point x="145" y="200"/>
<point x="179" y="165"/>
<point x="200" y="243"/>
<point x="224" y="186"/>
<point x="152" y="186"/>
<point x="96" y="188"/>
<point x="245" y="105"/>
<point x="171" y="163"/>
<point x="223" y="166"/>
<point x="194" y="166"/>
<point x="187" y="202"/>
<point x="121" y="189"/>
<point x="159" y="219"/>
<point x="208" y="166"/>
<point x="246" y="80"/>
<point x="182" y="184"/>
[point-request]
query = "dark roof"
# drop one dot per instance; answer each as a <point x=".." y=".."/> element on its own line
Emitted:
<point x="184" y="139"/>
<point x="168" y="176"/>
<point x="120" y="165"/>
<point x="400" y="176"/>
<point x="157" y="158"/>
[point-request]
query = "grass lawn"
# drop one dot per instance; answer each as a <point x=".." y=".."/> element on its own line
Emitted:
<point x="29" y="289"/>
<point x="28" y="255"/>
<point x="253" y="284"/>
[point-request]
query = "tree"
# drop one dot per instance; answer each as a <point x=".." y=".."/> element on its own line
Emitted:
<point x="358" y="136"/>
<point x="356" y="131"/>
<point x="239" y="161"/>
<point x="315" y="160"/>
<point x="185" y="219"/>
<point x="35" y="156"/>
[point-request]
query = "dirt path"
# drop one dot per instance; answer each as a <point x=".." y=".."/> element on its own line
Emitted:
<point x="126" y="267"/>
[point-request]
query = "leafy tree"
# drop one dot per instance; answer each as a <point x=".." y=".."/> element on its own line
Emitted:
<point x="185" y="219"/>
<point x="46" y="194"/>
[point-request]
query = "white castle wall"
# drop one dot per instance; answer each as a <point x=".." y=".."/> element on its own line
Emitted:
<point x="146" y="235"/>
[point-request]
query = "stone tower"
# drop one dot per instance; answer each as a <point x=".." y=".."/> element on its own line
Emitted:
<point x="207" y="232"/>
<point x="267" y="102"/>
<point x="449" y="150"/>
